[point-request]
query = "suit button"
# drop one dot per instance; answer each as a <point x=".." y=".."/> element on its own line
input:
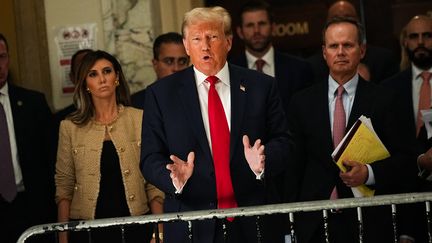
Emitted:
<point x="127" y="172"/>
<point x="132" y="197"/>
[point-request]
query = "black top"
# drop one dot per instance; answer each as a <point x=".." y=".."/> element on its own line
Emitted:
<point x="112" y="200"/>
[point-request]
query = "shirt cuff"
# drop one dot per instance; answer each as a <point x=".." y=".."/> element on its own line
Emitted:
<point x="371" y="177"/>
<point x="179" y="190"/>
<point x="259" y="176"/>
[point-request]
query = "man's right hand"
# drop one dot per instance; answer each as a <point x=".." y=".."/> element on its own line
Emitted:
<point x="181" y="170"/>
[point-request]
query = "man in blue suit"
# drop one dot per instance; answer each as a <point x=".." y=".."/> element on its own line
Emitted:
<point x="180" y="153"/>
<point x="255" y="29"/>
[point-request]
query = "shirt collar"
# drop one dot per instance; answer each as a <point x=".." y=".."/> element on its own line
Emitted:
<point x="268" y="57"/>
<point x="417" y="71"/>
<point x="350" y="86"/>
<point x="5" y="89"/>
<point x="222" y="75"/>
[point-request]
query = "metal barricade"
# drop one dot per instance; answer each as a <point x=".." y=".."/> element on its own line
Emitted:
<point x="286" y="208"/>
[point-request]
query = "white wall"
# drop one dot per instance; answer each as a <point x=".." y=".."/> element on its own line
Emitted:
<point x="60" y="13"/>
<point x="63" y="13"/>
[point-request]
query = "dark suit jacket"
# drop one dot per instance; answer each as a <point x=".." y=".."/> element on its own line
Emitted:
<point x="292" y="74"/>
<point x="138" y="99"/>
<point x="173" y="125"/>
<point x="32" y="123"/>
<point x="313" y="174"/>
<point x="382" y="64"/>
<point x="413" y="220"/>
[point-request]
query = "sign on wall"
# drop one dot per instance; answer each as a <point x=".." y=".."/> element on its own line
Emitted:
<point x="70" y="39"/>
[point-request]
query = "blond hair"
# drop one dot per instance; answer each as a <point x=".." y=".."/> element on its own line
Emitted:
<point x="210" y="14"/>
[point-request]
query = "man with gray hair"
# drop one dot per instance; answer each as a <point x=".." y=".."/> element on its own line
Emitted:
<point x="212" y="134"/>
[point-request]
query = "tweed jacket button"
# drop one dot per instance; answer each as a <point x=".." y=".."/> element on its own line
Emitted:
<point x="139" y="144"/>
<point x="122" y="149"/>
<point x="110" y="128"/>
<point x="132" y="197"/>
<point x="75" y="151"/>
<point x="75" y="188"/>
<point x="127" y="172"/>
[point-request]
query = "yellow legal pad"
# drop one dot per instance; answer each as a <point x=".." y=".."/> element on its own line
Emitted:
<point x="361" y="144"/>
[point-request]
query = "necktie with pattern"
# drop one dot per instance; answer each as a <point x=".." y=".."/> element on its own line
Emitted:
<point x="424" y="99"/>
<point x="8" y="188"/>
<point x="259" y="63"/>
<point x="339" y="123"/>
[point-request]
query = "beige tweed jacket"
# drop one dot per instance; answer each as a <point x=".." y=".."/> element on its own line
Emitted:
<point x="78" y="164"/>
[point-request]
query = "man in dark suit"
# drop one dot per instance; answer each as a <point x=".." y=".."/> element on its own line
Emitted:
<point x="408" y="86"/>
<point x="197" y="133"/>
<point x="29" y="200"/>
<point x="377" y="64"/>
<point x="255" y="29"/>
<point x="318" y="118"/>
<point x="169" y="56"/>
<point x="292" y="74"/>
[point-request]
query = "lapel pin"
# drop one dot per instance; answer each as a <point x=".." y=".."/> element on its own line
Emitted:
<point x="242" y="88"/>
<point x="19" y="103"/>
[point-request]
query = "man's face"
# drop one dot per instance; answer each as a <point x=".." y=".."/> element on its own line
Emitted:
<point x="207" y="45"/>
<point x="342" y="50"/>
<point x="418" y="42"/>
<point x="256" y="31"/>
<point x="172" y="58"/>
<point x="4" y="63"/>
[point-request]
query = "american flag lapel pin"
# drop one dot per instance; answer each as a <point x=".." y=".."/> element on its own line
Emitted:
<point x="242" y="88"/>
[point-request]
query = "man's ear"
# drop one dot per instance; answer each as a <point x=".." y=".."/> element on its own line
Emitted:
<point x="240" y="32"/>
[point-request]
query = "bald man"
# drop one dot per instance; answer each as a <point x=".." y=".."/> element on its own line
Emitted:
<point x="417" y="44"/>
<point x="377" y="64"/>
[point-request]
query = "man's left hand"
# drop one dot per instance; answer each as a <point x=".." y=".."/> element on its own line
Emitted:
<point x="254" y="154"/>
<point x="355" y="175"/>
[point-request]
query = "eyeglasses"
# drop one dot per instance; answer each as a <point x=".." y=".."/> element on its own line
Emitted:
<point x="181" y="61"/>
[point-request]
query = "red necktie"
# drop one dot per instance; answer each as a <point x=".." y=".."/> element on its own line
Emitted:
<point x="339" y="121"/>
<point x="425" y="98"/>
<point x="8" y="188"/>
<point x="220" y="139"/>
<point x="259" y="63"/>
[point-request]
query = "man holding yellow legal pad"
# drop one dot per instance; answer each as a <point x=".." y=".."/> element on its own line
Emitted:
<point x="319" y="118"/>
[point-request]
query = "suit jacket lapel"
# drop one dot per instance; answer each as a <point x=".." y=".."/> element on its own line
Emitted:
<point x="322" y="119"/>
<point x="188" y="94"/>
<point x="361" y="103"/>
<point x="239" y="89"/>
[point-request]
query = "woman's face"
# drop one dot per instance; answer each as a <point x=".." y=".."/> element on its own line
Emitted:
<point x="101" y="80"/>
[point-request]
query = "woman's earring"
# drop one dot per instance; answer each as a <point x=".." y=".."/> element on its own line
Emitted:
<point x="117" y="83"/>
<point x="88" y="90"/>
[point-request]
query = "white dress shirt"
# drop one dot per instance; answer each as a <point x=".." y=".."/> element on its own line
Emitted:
<point x="416" y="85"/>
<point x="4" y="100"/>
<point x="269" y="66"/>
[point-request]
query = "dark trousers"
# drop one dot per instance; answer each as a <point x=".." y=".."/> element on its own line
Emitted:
<point x="22" y="213"/>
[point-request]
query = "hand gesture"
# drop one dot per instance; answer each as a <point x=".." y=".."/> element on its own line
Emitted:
<point x="355" y="175"/>
<point x="254" y="155"/>
<point x="181" y="170"/>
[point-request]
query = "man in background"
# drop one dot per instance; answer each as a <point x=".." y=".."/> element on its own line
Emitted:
<point x="413" y="89"/>
<point x="169" y="56"/>
<point x="319" y="118"/>
<point x="255" y="29"/>
<point x="377" y="64"/>
<point x="26" y="169"/>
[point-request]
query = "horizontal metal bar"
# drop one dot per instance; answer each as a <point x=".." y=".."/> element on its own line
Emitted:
<point x="233" y="212"/>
